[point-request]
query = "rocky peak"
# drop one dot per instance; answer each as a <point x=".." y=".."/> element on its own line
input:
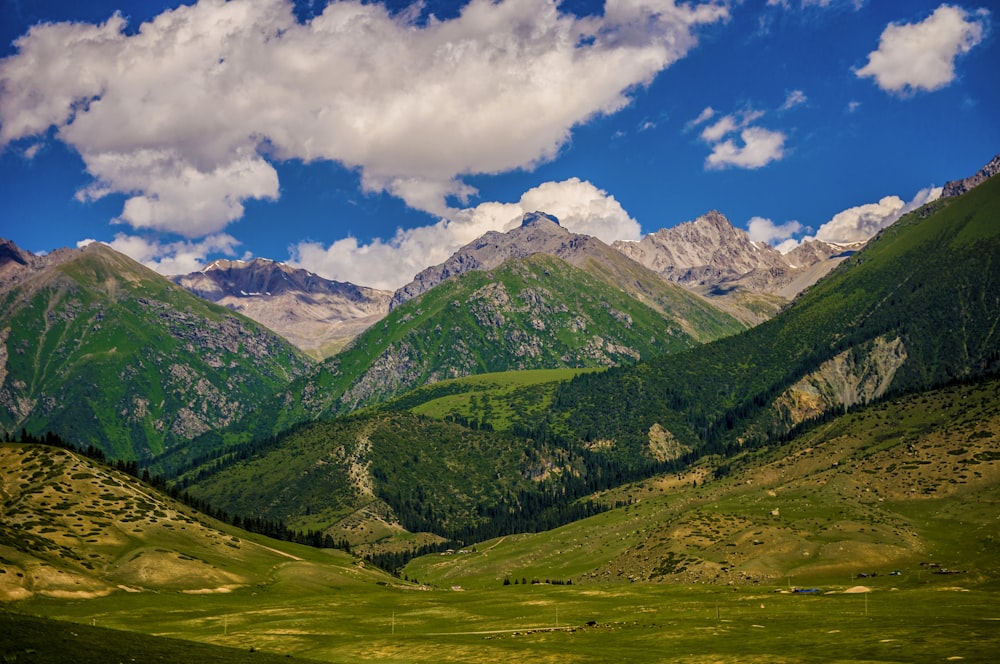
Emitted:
<point x="958" y="187"/>
<point x="531" y="218"/>
<point x="701" y="252"/>
<point x="751" y="280"/>
<point x="17" y="264"/>
<point x="318" y="315"/>
<point x="11" y="253"/>
<point x="538" y="232"/>
<point x="811" y="252"/>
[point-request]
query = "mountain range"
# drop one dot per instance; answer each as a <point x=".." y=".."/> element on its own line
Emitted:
<point x="874" y="327"/>
<point x="751" y="280"/>
<point x="570" y="416"/>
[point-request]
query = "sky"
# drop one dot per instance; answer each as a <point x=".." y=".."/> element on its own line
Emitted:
<point x="365" y="141"/>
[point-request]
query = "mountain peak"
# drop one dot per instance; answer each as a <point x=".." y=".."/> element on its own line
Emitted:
<point x="315" y="314"/>
<point x="533" y="218"/>
<point x="539" y="233"/>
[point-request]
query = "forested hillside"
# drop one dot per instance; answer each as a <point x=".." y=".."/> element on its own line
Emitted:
<point x="918" y="307"/>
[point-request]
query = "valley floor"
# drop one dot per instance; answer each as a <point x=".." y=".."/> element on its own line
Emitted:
<point x="899" y="619"/>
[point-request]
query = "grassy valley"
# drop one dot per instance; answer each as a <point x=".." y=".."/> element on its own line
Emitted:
<point x="695" y="567"/>
<point x="904" y="482"/>
<point x="824" y="487"/>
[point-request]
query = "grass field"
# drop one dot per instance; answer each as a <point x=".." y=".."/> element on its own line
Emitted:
<point x="921" y="621"/>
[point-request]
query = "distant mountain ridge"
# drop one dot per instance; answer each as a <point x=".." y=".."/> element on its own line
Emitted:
<point x="751" y="280"/>
<point x="317" y="315"/>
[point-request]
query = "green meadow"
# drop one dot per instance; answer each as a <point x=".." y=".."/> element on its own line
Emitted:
<point x="898" y="621"/>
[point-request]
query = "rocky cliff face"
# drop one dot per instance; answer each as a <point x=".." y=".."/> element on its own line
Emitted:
<point x="958" y="187"/>
<point x="317" y="315"/>
<point x="749" y="279"/>
<point x="704" y="252"/>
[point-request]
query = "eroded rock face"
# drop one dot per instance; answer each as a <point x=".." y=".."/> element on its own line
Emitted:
<point x="853" y="377"/>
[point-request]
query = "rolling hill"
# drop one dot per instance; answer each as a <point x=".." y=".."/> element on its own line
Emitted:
<point x="909" y="484"/>
<point x="75" y="529"/>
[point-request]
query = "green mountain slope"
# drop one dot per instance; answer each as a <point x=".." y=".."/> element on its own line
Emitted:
<point x="537" y="312"/>
<point x="101" y="350"/>
<point x="918" y="307"/>
<point x="911" y="484"/>
<point x="364" y="478"/>
<point x="531" y="313"/>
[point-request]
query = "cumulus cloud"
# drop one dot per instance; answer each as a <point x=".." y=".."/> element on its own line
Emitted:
<point x="856" y="224"/>
<point x="860" y="223"/>
<point x="169" y="258"/>
<point x="921" y="56"/>
<point x="752" y="148"/>
<point x="764" y="230"/>
<point x="185" y="115"/>
<point x="579" y="205"/>
<point x="759" y="147"/>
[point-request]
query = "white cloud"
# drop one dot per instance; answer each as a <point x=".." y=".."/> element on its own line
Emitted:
<point x="921" y="56"/>
<point x="707" y="114"/>
<point x="786" y="246"/>
<point x="794" y="98"/>
<point x="856" y="224"/>
<point x="183" y="115"/>
<point x="715" y="131"/>
<point x="580" y="207"/>
<point x="764" y="230"/>
<point x="822" y="4"/>
<point x="759" y="147"/>
<point x="171" y="258"/>
<point x="756" y="146"/>
<point x="853" y="106"/>
<point x="860" y="223"/>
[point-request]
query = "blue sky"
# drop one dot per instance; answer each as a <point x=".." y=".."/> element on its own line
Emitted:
<point x="365" y="141"/>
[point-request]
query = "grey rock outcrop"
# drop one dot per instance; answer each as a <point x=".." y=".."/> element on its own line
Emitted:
<point x="958" y="187"/>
